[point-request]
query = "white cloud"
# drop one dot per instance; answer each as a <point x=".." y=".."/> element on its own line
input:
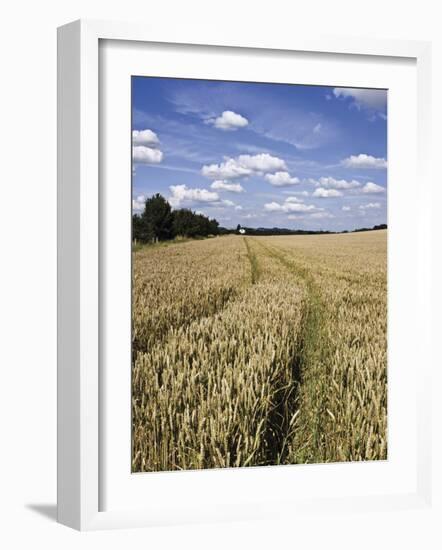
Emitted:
<point x="371" y="187"/>
<point x="182" y="193"/>
<point x="243" y="166"/>
<point x="298" y="193"/>
<point x="262" y="162"/>
<point x="292" y="199"/>
<point x="226" y="186"/>
<point x="363" y="98"/>
<point x="370" y="205"/>
<point x="238" y="207"/>
<point x="329" y="183"/>
<point x="145" y="137"/>
<point x="229" y="121"/>
<point x="364" y="161"/>
<point x="281" y="179"/>
<point x="326" y="193"/>
<point x="346" y="209"/>
<point x="146" y="155"/>
<point x="228" y="169"/>
<point x="332" y="183"/>
<point x="138" y="203"/>
<point x="145" y="147"/>
<point x="273" y="207"/>
<point x="290" y="206"/>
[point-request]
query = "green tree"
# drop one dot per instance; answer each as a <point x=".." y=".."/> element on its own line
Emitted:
<point x="156" y="219"/>
<point x="214" y="227"/>
<point x="184" y="223"/>
<point x="136" y="228"/>
<point x="188" y="224"/>
<point x="159" y="222"/>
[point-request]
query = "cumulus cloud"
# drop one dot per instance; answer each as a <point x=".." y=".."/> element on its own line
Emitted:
<point x="146" y="155"/>
<point x="363" y="98"/>
<point x="281" y="179"/>
<point x="182" y="193"/>
<point x="346" y="208"/>
<point x="262" y="162"/>
<point x="229" y="121"/>
<point x="292" y="199"/>
<point x="145" y="137"/>
<point x="226" y="186"/>
<point x="332" y="183"/>
<point x="370" y="205"/>
<point x="364" y="161"/>
<point x="322" y="193"/>
<point x="243" y="166"/>
<point x="138" y="203"/>
<point x="371" y="187"/>
<point x="187" y="196"/>
<point x="145" y="149"/>
<point x="229" y="169"/>
<point x="292" y="204"/>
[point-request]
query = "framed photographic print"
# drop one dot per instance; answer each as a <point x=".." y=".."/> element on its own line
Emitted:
<point x="234" y="252"/>
<point x="259" y="286"/>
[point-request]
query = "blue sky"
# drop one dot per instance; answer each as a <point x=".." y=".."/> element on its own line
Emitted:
<point x="262" y="155"/>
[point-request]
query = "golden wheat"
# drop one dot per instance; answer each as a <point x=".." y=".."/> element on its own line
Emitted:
<point x="254" y="351"/>
<point x="174" y="285"/>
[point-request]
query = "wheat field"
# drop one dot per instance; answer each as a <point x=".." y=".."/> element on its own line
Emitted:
<point x="253" y="351"/>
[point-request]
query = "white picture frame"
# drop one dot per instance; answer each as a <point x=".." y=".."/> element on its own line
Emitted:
<point x="79" y="265"/>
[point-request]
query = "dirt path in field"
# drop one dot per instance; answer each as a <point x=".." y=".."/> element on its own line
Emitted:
<point x="254" y="267"/>
<point x="312" y="341"/>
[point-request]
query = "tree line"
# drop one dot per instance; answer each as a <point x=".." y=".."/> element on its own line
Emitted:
<point x="374" y="228"/>
<point x="158" y="222"/>
<point x="269" y="231"/>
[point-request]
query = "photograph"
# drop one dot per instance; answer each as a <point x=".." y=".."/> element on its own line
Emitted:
<point x="259" y="274"/>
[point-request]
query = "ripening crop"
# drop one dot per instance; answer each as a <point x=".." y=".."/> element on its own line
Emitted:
<point x="253" y="351"/>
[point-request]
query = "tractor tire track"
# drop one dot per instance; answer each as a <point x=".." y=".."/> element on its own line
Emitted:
<point x="310" y="356"/>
